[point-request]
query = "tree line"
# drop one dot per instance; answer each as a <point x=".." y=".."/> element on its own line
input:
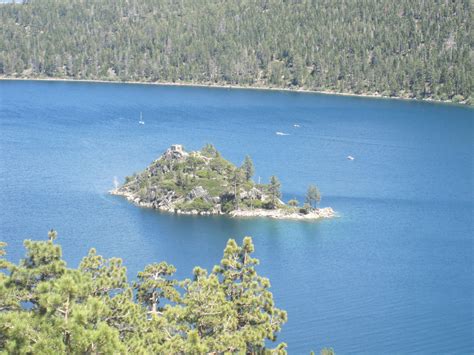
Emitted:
<point x="403" y="48"/>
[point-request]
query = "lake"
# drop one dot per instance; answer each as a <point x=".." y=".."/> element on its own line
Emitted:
<point x="393" y="273"/>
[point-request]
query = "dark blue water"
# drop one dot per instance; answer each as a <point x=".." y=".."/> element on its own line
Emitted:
<point x="392" y="274"/>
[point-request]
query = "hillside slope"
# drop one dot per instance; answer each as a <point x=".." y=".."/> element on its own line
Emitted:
<point x="405" y="48"/>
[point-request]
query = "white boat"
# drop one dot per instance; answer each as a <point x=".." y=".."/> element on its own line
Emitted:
<point x="350" y="157"/>
<point x="141" y="119"/>
<point x="282" y="134"/>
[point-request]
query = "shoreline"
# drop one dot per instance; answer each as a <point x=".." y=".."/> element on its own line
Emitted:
<point x="231" y="86"/>
<point x="280" y="214"/>
<point x="317" y="214"/>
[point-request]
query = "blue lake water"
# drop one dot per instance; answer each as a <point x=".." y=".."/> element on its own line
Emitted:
<point x="394" y="273"/>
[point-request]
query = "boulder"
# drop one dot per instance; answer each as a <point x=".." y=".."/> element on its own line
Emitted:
<point x="255" y="194"/>
<point x="199" y="192"/>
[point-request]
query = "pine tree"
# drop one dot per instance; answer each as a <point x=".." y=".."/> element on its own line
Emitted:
<point x="313" y="196"/>
<point x="258" y="318"/>
<point x="154" y="284"/>
<point x="46" y="307"/>
<point x="274" y="190"/>
<point x="236" y="180"/>
<point x="248" y="168"/>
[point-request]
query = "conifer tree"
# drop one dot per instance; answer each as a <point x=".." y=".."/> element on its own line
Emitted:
<point x="313" y="196"/>
<point x="48" y="308"/>
<point x="274" y="190"/>
<point x="258" y="318"/>
<point x="248" y="168"/>
<point x="154" y="284"/>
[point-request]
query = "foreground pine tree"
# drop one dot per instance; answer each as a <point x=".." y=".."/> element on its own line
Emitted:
<point x="47" y="308"/>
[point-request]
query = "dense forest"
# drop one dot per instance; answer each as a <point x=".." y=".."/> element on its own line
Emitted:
<point x="404" y="48"/>
<point x="48" y="308"/>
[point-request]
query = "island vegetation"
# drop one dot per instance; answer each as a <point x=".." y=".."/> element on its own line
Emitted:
<point x="405" y="48"/>
<point x="203" y="182"/>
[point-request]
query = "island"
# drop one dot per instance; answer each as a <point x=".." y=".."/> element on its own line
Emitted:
<point x="204" y="183"/>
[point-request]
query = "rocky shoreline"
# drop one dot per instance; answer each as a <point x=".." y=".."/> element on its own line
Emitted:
<point x="280" y="213"/>
<point x="131" y="197"/>
<point x="318" y="213"/>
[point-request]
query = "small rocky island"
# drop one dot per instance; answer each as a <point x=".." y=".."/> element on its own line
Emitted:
<point x="204" y="183"/>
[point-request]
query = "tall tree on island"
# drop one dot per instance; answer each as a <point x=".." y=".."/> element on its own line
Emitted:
<point x="237" y="176"/>
<point x="313" y="196"/>
<point x="248" y="168"/>
<point x="274" y="190"/>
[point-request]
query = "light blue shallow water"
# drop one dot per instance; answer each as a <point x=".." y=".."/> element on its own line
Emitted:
<point x="392" y="274"/>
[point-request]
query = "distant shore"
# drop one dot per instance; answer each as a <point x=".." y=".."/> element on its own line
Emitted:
<point x="230" y="86"/>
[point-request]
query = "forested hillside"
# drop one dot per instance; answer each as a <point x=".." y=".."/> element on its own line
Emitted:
<point x="405" y="48"/>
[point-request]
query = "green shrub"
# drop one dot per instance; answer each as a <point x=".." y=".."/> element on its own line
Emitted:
<point x="198" y="204"/>
<point x="169" y="175"/>
<point x="219" y="164"/>
<point x="143" y="192"/>
<point x="214" y="187"/>
<point x="168" y="185"/>
<point x="155" y="180"/>
<point x="268" y="205"/>
<point x="209" y="151"/>
<point x="143" y="183"/>
<point x="293" y="203"/>
<point x="228" y="207"/>
<point x="305" y="209"/>
<point x="203" y="174"/>
<point x="457" y="98"/>
<point x="257" y="203"/>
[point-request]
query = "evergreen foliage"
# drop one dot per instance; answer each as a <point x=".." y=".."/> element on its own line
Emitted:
<point x="201" y="181"/>
<point x="313" y="196"/>
<point x="274" y="190"/>
<point x="248" y="168"/>
<point x="404" y="48"/>
<point x="327" y="351"/>
<point x="293" y="203"/>
<point x="48" y="308"/>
